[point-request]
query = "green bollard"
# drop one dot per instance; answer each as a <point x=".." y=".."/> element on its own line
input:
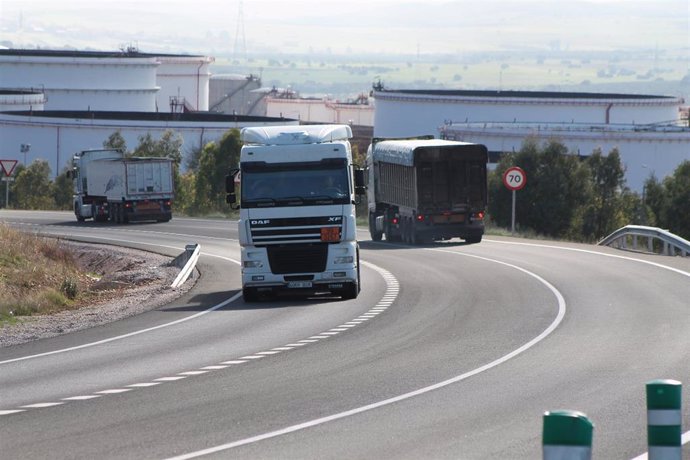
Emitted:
<point x="567" y="436"/>
<point x="664" y="419"/>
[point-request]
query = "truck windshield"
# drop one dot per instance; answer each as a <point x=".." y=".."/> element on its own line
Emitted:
<point x="294" y="184"/>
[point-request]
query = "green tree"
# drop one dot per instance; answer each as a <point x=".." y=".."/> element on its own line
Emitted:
<point x="62" y="191"/>
<point x="678" y="198"/>
<point x="115" y="141"/>
<point x="557" y="184"/>
<point x="169" y="146"/>
<point x="184" y="197"/>
<point x="655" y="199"/>
<point x="610" y="205"/>
<point x="32" y="187"/>
<point x="215" y="162"/>
<point x="193" y="156"/>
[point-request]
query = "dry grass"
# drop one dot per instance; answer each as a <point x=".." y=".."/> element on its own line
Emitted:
<point x="37" y="275"/>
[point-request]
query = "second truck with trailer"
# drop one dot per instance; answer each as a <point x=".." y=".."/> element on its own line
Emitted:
<point x="108" y="185"/>
<point x="425" y="189"/>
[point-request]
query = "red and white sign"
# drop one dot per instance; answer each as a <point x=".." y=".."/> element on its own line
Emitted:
<point x="8" y="166"/>
<point x="514" y="178"/>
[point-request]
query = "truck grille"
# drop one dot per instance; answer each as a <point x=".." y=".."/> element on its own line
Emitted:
<point x="295" y="230"/>
<point x="297" y="258"/>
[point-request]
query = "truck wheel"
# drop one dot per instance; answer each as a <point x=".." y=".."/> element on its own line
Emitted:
<point x="80" y="218"/>
<point x="351" y="291"/>
<point x="375" y="234"/>
<point x="473" y="239"/>
<point x="250" y="295"/>
<point x="403" y="230"/>
<point x="413" y="232"/>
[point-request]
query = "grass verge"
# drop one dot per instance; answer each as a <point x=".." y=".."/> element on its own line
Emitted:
<point x="37" y="275"/>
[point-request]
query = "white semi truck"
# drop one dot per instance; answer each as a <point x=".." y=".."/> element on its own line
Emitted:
<point x="110" y="186"/>
<point x="297" y="229"/>
<point x="426" y="189"/>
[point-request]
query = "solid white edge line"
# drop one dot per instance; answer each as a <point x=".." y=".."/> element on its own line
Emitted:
<point x="559" y="317"/>
<point x="589" y="251"/>
<point x="131" y="334"/>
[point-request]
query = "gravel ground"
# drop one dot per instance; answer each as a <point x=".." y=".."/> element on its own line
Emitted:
<point x="129" y="282"/>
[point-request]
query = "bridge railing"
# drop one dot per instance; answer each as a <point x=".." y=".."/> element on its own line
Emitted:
<point x="647" y="239"/>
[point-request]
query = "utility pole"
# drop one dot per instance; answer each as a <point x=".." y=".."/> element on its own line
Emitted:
<point x="239" y="35"/>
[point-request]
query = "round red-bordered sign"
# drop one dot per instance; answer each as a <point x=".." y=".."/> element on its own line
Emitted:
<point x="514" y="178"/>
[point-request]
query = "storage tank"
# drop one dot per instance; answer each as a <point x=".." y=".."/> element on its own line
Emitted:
<point x="21" y="100"/>
<point x="83" y="80"/>
<point x="183" y="82"/>
<point x="401" y="113"/>
<point x="236" y="94"/>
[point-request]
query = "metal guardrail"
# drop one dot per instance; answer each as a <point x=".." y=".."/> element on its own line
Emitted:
<point x="658" y="241"/>
<point x="188" y="259"/>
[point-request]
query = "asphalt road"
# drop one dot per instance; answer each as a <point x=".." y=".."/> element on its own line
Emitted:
<point x="450" y="351"/>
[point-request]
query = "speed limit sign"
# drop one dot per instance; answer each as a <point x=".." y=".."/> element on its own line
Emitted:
<point x="514" y="178"/>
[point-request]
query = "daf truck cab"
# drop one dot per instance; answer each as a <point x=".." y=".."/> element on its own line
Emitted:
<point x="297" y="228"/>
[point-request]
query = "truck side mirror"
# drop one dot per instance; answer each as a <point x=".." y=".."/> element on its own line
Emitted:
<point x="230" y="181"/>
<point x="360" y="184"/>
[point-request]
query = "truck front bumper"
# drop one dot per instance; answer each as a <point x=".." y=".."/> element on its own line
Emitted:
<point x="341" y="270"/>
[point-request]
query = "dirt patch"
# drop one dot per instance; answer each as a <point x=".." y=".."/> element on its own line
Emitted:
<point x="121" y="282"/>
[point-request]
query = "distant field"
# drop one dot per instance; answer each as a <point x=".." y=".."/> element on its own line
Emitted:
<point x="344" y="78"/>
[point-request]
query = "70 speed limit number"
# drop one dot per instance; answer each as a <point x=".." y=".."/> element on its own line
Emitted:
<point x="514" y="178"/>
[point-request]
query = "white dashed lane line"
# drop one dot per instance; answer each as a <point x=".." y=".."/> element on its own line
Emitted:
<point x="392" y="290"/>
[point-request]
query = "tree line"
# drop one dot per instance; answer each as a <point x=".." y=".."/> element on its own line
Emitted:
<point x="585" y="198"/>
<point x="567" y="196"/>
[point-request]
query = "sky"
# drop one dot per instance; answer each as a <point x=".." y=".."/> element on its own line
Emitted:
<point x="353" y="27"/>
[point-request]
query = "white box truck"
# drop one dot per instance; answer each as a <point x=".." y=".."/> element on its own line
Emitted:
<point x="110" y="186"/>
<point x="297" y="229"/>
<point x="426" y="189"/>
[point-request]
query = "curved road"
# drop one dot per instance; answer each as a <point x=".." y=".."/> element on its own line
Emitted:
<point x="450" y="351"/>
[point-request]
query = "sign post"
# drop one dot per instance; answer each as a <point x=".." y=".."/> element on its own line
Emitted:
<point x="7" y="167"/>
<point x="514" y="179"/>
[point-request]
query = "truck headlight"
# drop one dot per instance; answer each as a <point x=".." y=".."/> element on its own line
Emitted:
<point x="344" y="260"/>
<point x="253" y="264"/>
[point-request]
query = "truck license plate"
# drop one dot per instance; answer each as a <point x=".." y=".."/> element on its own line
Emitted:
<point x="299" y="284"/>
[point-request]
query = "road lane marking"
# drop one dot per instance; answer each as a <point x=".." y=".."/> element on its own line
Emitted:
<point x="130" y="334"/>
<point x="319" y="421"/>
<point x="589" y="251"/>
<point x="41" y="405"/>
<point x="392" y="289"/>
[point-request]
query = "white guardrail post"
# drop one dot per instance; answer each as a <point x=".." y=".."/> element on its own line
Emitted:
<point x="664" y="420"/>
<point x="567" y="435"/>
<point x="192" y="255"/>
